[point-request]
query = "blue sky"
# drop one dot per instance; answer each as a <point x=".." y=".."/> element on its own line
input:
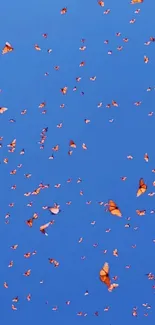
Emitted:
<point x="122" y="77"/>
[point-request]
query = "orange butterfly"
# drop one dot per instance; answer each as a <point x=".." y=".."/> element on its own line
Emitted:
<point x="36" y="191"/>
<point x="113" y="209"/>
<point x="84" y="146"/>
<point x="104" y="275"/>
<point x="43" y="104"/>
<point x="72" y="144"/>
<point x="63" y="11"/>
<point x="53" y="261"/>
<point x="86" y="121"/>
<point x="146" y="157"/>
<point x="136" y="1"/>
<point x="101" y="3"/>
<point x="27" y="273"/>
<point x="7" y="48"/>
<point x="146" y="59"/>
<point x="64" y="90"/>
<point x="45" y="226"/>
<point x="114" y="103"/>
<point x="28" y="297"/>
<point x="141" y="212"/>
<point x="27" y="255"/>
<point x="56" y="148"/>
<point x="12" y="144"/>
<point x="14" y="246"/>
<point x="35" y="216"/>
<point x="45" y="35"/>
<point x="55" y="209"/>
<point x="142" y="187"/>
<point x="6" y="285"/>
<point x="16" y="299"/>
<point x="3" y="109"/>
<point x="29" y="222"/>
<point x="37" y="47"/>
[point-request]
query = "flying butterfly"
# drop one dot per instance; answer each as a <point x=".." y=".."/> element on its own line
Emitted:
<point x="55" y="209"/>
<point x="64" y="90"/>
<point x="101" y="3"/>
<point x="3" y="109"/>
<point x="45" y="226"/>
<point x="104" y="275"/>
<point x="146" y="157"/>
<point x="29" y="222"/>
<point x="142" y="187"/>
<point x="141" y="212"/>
<point x="7" y="48"/>
<point x="63" y="11"/>
<point x="136" y="1"/>
<point x="72" y="144"/>
<point x="113" y="209"/>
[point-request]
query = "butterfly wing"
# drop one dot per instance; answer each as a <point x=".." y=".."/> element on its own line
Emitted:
<point x="139" y="192"/>
<point x="117" y="212"/>
<point x="141" y="182"/>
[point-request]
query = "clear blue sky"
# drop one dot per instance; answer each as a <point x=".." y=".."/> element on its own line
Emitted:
<point x="123" y="77"/>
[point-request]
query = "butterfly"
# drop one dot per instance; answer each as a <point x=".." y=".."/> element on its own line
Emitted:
<point x="146" y="157"/>
<point x="16" y="299"/>
<point x="104" y="275"/>
<point x="113" y="209"/>
<point x="141" y="212"/>
<point x="27" y="273"/>
<point x="37" y="47"/>
<point x="101" y="3"/>
<point x="53" y="261"/>
<point x="142" y="187"/>
<point x="12" y="144"/>
<point x="55" y="209"/>
<point x="3" y="109"/>
<point x="63" y="11"/>
<point x="136" y="1"/>
<point x="64" y="90"/>
<point x="7" y="48"/>
<point x="29" y="222"/>
<point x="45" y="226"/>
<point x="72" y="144"/>
<point x="146" y="59"/>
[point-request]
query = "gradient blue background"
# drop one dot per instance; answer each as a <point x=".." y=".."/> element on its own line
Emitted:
<point x="123" y="77"/>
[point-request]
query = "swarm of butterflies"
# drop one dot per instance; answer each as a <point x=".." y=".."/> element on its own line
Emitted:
<point x="111" y="206"/>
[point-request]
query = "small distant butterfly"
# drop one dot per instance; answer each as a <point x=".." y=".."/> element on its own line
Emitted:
<point x="7" y="48"/>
